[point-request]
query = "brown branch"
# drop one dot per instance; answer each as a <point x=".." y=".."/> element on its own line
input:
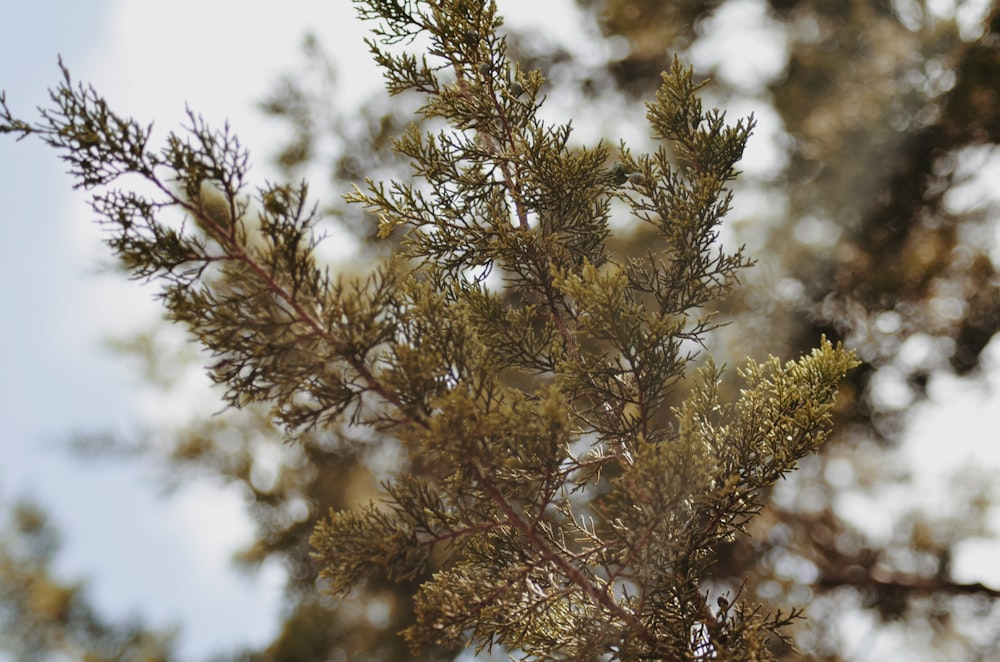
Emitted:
<point x="238" y="253"/>
<point x="903" y="582"/>
<point x="513" y="188"/>
<point x="599" y="597"/>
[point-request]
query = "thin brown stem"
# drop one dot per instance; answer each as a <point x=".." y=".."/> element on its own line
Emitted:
<point x="600" y="597"/>
<point x="237" y="252"/>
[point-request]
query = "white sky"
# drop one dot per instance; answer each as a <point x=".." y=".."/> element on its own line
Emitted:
<point x="170" y="557"/>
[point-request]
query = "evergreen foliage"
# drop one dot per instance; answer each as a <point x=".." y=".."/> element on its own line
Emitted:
<point x="566" y="509"/>
<point x="866" y="232"/>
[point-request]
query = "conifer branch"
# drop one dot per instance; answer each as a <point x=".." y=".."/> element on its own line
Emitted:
<point x="599" y="596"/>
<point x="578" y="514"/>
<point x="236" y="251"/>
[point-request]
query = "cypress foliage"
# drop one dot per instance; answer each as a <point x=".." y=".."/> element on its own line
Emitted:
<point x="566" y="508"/>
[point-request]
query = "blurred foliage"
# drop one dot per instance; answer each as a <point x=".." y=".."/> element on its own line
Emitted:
<point x="43" y="617"/>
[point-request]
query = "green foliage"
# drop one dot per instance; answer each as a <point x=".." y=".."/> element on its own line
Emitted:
<point x="524" y="369"/>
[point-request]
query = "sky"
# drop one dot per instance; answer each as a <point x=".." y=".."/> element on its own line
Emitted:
<point x="151" y="60"/>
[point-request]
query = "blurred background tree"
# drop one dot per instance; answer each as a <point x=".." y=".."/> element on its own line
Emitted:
<point x="869" y="225"/>
<point x="43" y="618"/>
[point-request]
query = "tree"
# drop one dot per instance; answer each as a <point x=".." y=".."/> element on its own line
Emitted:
<point x="41" y="616"/>
<point x="884" y="118"/>
<point x="559" y="493"/>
